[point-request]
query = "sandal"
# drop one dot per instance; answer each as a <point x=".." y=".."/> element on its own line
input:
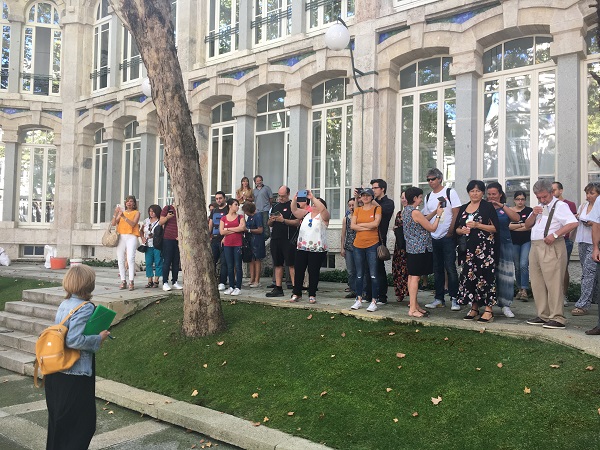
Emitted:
<point x="312" y="300"/>
<point x="294" y="298"/>
<point x="417" y="314"/>
<point x="578" y="312"/>
<point x="472" y="317"/>
<point x="131" y="286"/>
<point x="123" y="285"/>
<point x="155" y="284"/>
<point x="490" y="319"/>
<point x="150" y="284"/>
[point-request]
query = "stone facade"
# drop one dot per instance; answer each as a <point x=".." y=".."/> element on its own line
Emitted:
<point x="388" y="35"/>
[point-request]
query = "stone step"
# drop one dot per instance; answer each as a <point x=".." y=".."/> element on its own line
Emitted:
<point x="18" y="340"/>
<point x="24" y="308"/>
<point x="32" y="325"/>
<point x="49" y="296"/>
<point x="16" y="360"/>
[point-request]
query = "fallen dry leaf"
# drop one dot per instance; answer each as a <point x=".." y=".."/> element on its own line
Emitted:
<point x="255" y="395"/>
<point x="477" y="368"/>
<point x="391" y="333"/>
<point x="193" y="446"/>
<point x="309" y="317"/>
<point x="527" y="390"/>
<point x="165" y="354"/>
<point x="291" y="413"/>
<point x="415" y="414"/>
<point x="395" y="419"/>
<point x="598" y="411"/>
<point x="151" y="403"/>
<point x="232" y="302"/>
<point x="417" y="331"/>
<point x="223" y="363"/>
<point x="400" y="355"/>
<point x="256" y="424"/>
<point x="266" y="419"/>
<point x="437" y="400"/>
<point x="343" y="334"/>
<point x="209" y="444"/>
<point x="445" y="338"/>
<point x="168" y="401"/>
<point x="205" y="365"/>
<point x="399" y="367"/>
<point x="388" y="389"/>
<point x="220" y="343"/>
<point x="111" y="412"/>
<point x="333" y="356"/>
<point x="323" y="394"/>
<point x="499" y="365"/>
<point x="589" y="368"/>
<point x="554" y="366"/>
<point x="104" y="409"/>
<point x="332" y="317"/>
<point x="482" y="331"/>
<point x="305" y="397"/>
<point x="378" y="360"/>
<point x="194" y="392"/>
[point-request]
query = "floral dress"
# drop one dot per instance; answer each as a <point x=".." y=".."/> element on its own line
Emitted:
<point x="399" y="271"/>
<point x="477" y="282"/>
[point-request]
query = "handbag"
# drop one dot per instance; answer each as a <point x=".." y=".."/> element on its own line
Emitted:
<point x="246" y="248"/>
<point x="383" y="254"/>
<point x="142" y="248"/>
<point x="110" y="238"/>
<point x="462" y="243"/>
<point x="400" y="240"/>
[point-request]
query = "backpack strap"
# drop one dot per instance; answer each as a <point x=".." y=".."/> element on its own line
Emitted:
<point x="72" y="312"/>
<point x="447" y="196"/>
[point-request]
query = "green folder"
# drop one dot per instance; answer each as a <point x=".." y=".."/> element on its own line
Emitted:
<point x="99" y="321"/>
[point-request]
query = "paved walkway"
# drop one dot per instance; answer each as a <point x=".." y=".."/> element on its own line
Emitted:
<point x="330" y="298"/>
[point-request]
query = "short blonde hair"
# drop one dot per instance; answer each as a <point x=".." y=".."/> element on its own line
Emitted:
<point x="80" y="280"/>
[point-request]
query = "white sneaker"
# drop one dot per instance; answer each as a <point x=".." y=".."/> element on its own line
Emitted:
<point x="435" y="304"/>
<point x="372" y="307"/>
<point x="236" y="291"/>
<point x="455" y="305"/>
<point x="177" y="286"/>
<point x="507" y="312"/>
<point x="255" y="285"/>
<point x="356" y="304"/>
<point x="228" y="291"/>
<point x="221" y="287"/>
<point x="166" y="287"/>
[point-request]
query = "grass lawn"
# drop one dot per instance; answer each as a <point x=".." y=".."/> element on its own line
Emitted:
<point x="355" y="384"/>
<point x="11" y="289"/>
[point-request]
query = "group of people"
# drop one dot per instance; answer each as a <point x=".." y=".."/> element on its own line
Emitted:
<point x="159" y="262"/>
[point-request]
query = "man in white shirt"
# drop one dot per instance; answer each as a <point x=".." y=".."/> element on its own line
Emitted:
<point x="444" y="244"/>
<point x="549" y="222"/>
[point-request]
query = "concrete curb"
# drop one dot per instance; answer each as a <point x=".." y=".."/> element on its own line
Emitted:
<point x="220" y="426"/>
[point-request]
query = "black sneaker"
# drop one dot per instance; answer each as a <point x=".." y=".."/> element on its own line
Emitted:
<point x="276" y="292"/>
<point x="554" y="325"/>
<point x="536" y="321"/>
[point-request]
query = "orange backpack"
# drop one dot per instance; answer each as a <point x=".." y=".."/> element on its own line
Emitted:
<point x="51" y="354"/>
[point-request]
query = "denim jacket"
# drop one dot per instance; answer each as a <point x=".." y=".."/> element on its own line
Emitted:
<point x="75" y="338"/>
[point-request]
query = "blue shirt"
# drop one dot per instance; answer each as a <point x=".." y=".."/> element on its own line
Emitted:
<point x="75" y="338"/>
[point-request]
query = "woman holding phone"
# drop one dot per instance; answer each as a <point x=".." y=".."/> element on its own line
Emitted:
<point x="126" y="221"/>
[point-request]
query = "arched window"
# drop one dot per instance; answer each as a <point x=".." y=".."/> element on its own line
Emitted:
<point x="131" y="60"/>
<point x="100" y="177"/>
<point x="330" y="170"/>
<point x="4" y="47"/>
<point x="272" y="138"/>
<point x="593" y="107"/>
<point x="519" y="113"/>
<point x="42" y="45"/>
<point x="223" y="27"/>
<point x="101" y="47"/>
<point x="427" y="121"/>
<point x="38" y="177"/>
<point x="222" y="132"/>
<point x="131" y="161"/>
<point x="322" y="12"/>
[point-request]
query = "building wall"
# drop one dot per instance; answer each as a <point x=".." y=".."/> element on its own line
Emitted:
<point x="389" y="35"/>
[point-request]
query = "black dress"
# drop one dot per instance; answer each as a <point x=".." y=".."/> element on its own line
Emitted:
<point x="477" y="282"/>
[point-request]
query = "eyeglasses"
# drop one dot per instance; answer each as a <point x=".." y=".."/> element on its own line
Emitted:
<point x="520" y="199"/>
<point x="431" y="179"/>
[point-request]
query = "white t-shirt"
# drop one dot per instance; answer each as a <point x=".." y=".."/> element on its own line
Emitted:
<point x="562" y="216"/>
<point x="431" y="206"/>
<point x="584" y="234"/>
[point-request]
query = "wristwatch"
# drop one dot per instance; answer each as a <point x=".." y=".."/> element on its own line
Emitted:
<point x="555" y="235"/>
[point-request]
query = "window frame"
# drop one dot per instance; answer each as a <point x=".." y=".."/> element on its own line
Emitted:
<point x="228" y="32"/>
<point x="162" y="177"/>
<point x="102" y="25"/>
<point x="129" y="61"/>
<point x="320" y="5"/>
<point x="221" y="125"/>
<point x="5" y="39"/>
<point x="99" y="178"/>
<point x="132" y="148"/>
<point x="282" y="16"/>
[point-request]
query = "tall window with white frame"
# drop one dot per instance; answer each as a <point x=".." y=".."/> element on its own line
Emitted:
<point x="223" y="27"/>
<point x="427" y="121"/>
<point x="272" y="20"/>
<point x="222" y="133"/>
<point x="331" y="144"/>
<point x="101" y="47"/>
<point x="272" y="138"/>
<point x="131" y="61"/>
<point x="42" y="47"/>
<point x="130" y="180"/>
<point x="100" y="176"/>
<point x="4" y="48"/>
<point x="592" y="124"/>
<point x="323" y="12"/>
<point x="519" y="113"/>
<point x="38" y="177"/>
<point x="164" y="191"/>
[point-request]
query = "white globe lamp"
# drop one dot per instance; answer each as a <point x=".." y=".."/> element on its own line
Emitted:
<point x="337" y="37"/>
<point x="146" y="87"/>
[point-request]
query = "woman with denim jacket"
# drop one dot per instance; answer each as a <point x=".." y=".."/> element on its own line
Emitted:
<point x="70" y="395"/>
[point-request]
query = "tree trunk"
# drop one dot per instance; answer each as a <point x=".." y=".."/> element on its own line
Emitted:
<point x="150" y="24"/>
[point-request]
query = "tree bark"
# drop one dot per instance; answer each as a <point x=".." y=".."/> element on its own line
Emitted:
<point x="150" y="24"/>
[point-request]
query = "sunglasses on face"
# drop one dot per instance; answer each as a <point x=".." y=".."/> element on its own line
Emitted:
<point x="520" y="199"/>
<point x="431" y="179"/>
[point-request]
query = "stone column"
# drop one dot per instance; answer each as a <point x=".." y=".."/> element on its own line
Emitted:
<point x="201" y="121"/>
<point x="11" y="177"/>
<point x="114" y="75"/>
<point x="244" y="112"/>
<point x="245" y="22"/>
<point x="299" y="16"/>
<point x="114" y="164"/>
<point x="389" y="85"/>
<point x="299" y="102"/>
<point x="149" y="143"/>
<point x="16" y="34"/>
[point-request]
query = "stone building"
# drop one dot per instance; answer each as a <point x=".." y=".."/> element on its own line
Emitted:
<point x="489" y="89"/>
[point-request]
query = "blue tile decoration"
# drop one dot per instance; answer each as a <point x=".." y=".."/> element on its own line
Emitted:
<point x="82" y="112"/>
<point x="463" y="16"/>
<point x="197" y="83"/>
<point x="292" y="60"/>
<point x="237" y="74"/>
<point x="13" y="110"/>
<point x="137" y="98"/>
<point x="107" y="106"/>
<point x="388" y="34"/>
<point x="54" y="113"/>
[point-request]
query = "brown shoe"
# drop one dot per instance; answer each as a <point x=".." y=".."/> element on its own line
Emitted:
<point x="594" y="331"/>
<point x="578" y="312"/>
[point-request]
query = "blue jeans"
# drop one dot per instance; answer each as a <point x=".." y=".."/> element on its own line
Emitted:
<point x="351" y="268"/>
<point x="366" y="258"/>
<point x="569" y="244"/>
<point x="170" y="252"/>
<point x="444" y="261"/>
<point x="154" y="256"/>
<point x="215" y="246"/>
<point x="521" y="257"/>
<point x="233" y="256"/>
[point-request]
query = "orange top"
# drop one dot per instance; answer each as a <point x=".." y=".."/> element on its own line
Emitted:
<point x="365" y="239"/>
<point x="124" y="228"/>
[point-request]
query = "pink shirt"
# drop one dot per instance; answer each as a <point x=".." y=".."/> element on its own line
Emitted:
<point x="235" y="239"/>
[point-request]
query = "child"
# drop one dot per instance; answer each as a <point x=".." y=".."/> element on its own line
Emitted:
<point x="70" y="395"/>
